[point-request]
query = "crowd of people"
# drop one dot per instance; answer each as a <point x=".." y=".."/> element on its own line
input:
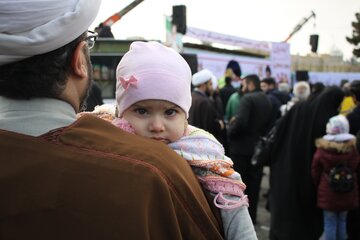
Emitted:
<point x="310" y="143"/>
<point x="311" y="140"/>
<point x="169" y="162"/>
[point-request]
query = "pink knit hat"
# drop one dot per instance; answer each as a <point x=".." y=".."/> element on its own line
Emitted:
<point x="150" y="70"/>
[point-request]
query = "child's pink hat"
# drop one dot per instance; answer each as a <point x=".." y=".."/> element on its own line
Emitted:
<point x="150" y="70"/>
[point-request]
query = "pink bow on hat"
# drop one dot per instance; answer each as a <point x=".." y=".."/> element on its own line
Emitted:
<point x="125" y="83"/>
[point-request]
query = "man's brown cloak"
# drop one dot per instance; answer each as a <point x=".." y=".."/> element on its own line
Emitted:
<point x="93" y="181"/>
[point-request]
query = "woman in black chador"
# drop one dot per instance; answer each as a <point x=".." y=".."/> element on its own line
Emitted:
<point x="294" y="214"/>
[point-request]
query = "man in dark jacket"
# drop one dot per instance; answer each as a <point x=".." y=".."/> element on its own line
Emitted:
<point x="252" y="120"/>
<point x="202" y="113"/>
<point x="276" y="98"/>
<point x="226" y="92"/>
<point x="268" y="85"/>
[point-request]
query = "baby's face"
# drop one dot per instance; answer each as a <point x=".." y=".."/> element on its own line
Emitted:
<point x="157" y="119"/>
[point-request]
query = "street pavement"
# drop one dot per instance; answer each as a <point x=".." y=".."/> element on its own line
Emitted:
<point x="263" y="216"/>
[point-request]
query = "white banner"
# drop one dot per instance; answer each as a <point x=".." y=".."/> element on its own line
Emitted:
<point x="280" y="62"/>
<point x="332" y="78"/>
<point x="214" y="37"/>
<point x="216" y="62"/>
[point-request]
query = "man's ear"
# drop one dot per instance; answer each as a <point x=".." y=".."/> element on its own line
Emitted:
<point x="78" y="63"/>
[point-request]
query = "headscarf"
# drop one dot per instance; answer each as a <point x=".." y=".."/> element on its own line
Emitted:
<point x="337" y="129"/>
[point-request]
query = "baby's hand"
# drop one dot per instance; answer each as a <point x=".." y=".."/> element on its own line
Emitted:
<point x="103" y="111"/>
<point x="123" y="124"/>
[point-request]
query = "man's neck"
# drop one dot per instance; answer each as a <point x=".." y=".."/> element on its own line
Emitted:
<point x="35" y="116"/>
<point x="201" y="89"/>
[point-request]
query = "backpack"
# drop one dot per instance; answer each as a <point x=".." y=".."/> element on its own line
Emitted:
<point x="263" y="147"/>
<point x="341" y="178"/>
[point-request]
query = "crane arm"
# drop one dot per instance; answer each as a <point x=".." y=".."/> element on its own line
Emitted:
<point x="300" y="25"/>
<point x="116" y="17"/>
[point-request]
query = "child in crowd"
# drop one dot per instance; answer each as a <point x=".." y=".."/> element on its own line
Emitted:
<point x="153" y="94"/>
<point x="335" y="170"/>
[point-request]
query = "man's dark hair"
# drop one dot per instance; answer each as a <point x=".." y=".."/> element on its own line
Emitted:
<point x="254" y="79"/>
<point x="105" y="32"/>
<point x="355" y="89"/>
<point x="317" y="87"/>
<point x="42" y="75"/>
<point x="227" y="80"/>
<point x="269" y="81"/>
<point x="343" y="82"/>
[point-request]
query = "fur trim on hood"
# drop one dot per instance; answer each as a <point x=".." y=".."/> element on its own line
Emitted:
<point x="341" y="147"/>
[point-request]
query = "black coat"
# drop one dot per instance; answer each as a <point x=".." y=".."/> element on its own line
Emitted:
<point x="218" y="106"/>
<point x="202" y="114"/>
<point x="281" y="96"/>
<point x="275" y="113"/>
<point x="252" y="120"/>
<point x="294" y="214"/>
<point x="354" y="120"/>
<point x="353" y="220"/>
<point x="94" y="99"/>
<point x="225" y="94"/>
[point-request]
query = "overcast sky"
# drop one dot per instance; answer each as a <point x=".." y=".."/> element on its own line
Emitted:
<point x="263" y="20"/>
